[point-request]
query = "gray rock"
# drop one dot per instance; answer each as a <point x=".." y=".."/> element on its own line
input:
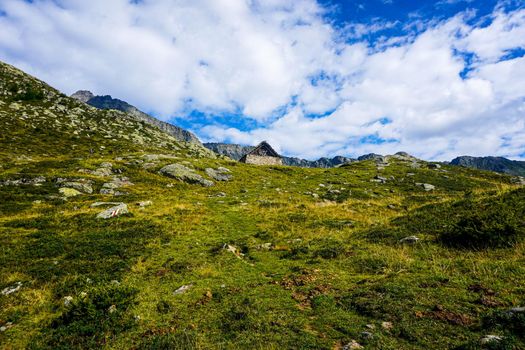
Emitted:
<point x="13" y="289"/>
<point x="426" y="187"/>
<point x="434" y="166"/>
<point x="352" y="345"/>
<point x="99" y="204"/>
<point x="68" y="300"/>
<point x="409" y="240"/>
<point x="69" y="192"/>
<point x="184" y="174"/>
<point x="367" y="335"/>
<point x="144" y="204"/>
<point x="220" y="174"/>
<point x="182" y="289"/>
<point x="490" y="338"/>
<point x="79" y="186"/>
<point x="112" y="212"/>
<point x="107" y="191"/>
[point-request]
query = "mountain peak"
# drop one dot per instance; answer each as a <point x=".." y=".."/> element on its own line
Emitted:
<point x="83" y="95"/>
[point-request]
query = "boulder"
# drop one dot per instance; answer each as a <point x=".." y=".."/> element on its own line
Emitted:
<point x="426" y="187"/>
<point x="69" y="192"/>
<point x="114" y="211"/>
<point x="409" y="240"/>
<point x="79" y="186"/>
<point x="219" y="174"/>
<point x="184" y="174"/>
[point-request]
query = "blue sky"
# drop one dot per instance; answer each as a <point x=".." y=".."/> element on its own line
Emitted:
<point x="437" y="79"/>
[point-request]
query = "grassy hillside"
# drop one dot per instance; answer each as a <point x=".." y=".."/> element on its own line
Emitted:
<point x="276" y="257"/>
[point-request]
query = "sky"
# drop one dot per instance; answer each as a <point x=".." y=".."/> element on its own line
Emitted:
<point x="436" y="79"/>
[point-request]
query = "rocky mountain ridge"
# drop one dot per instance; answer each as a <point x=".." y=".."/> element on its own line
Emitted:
<point x="108" y="102"/>
<point x="497" y="164"/>
<point x="235" y="152"/>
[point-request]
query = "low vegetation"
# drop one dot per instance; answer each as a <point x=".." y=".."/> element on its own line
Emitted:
<point x="274" y="258"/>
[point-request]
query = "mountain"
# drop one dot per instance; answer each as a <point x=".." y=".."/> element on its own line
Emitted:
<point x="107" y="102"/>
<point x="37" y="119"/>
<point x="236" y="152"/>
<point x="232" y="151"/>
<point x="498" y="164"/>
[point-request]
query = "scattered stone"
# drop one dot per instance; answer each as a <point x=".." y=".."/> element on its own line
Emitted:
<point x="98" y="204"/>
<point x="6" y="326"/>
<point x="490" y="338"/>
<point x="220" y="174"/>
<point x="409" y="240"/>
<point x="352" y="345"/>
<point x="182" y="289"/>
<point x="264" y="246"/>
<point x="391" y="206"/>
<point x="516" y="310"/>
<point x="112" y="309"/>
<point x="426" y="187"/>
<point x="233" y="250"/>
<point x="219" y="195"/>
<point x="387" y="325"/>
<point x="370" y="326"/>
<point x="37" y="181"/>
<point x="107" y="191"/>
<point x="115" y="282"/>
<point x="367" y="335"/>
<point x="182" y="173"/>
<point x="144" y="204"/>
<point x="79" y="186"/>
<point x="13" y="289"/>
<point x="112" y="212"/>
<point x="434" y="166"/>
<point x="68" y="300"/>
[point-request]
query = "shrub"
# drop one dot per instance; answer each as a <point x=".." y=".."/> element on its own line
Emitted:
<point x="494" y="223"/>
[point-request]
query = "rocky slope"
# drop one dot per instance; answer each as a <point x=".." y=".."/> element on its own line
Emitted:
<point x="498" y="164"/>
<point x="107" y="102"/>
<point x="235" y="152"/>
<point x="38" y="119"/>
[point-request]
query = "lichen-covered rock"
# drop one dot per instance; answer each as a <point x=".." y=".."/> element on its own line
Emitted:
<point x="79" y="186"/>
<point x="69" y="192"/>
<point x="219" y="174"/>
<point x="182" y="173"/>
<point x="112" y="212"/>
<point x="426" y="187"/>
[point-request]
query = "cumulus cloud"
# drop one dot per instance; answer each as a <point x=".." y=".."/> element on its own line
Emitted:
<point x="311" y="88"/>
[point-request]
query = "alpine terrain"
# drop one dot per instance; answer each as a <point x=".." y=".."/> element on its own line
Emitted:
<point x="118" y="231"/>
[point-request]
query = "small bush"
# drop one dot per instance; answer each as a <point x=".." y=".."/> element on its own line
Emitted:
<point x="88" y="321"/>
<point x="495" y="223"/>
<point x="328" y="248"/>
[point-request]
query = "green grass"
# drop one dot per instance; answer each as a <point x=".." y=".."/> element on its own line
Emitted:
<point x="307" y="272"/>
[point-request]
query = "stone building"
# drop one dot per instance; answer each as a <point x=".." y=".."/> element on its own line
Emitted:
<point x="263" y="154"/>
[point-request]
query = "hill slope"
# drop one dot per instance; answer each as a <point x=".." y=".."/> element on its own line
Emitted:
<point x="107" y="102"/>
<point x="150" y="243"/>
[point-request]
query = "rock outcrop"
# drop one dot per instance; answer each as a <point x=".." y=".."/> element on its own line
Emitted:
<point x="107" y="102"/>
<point x="497" y="164"/>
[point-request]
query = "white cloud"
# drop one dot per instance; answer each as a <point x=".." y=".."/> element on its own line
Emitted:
<point x="257" y="57"/>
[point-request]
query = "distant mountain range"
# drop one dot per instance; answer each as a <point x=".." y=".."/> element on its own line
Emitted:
<point x="235" y="152"/>
<point x="107" y="102"/>
<point x="497" y="164"/>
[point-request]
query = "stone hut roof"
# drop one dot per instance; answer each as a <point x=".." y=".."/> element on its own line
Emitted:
<point x="263" y="149"/>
